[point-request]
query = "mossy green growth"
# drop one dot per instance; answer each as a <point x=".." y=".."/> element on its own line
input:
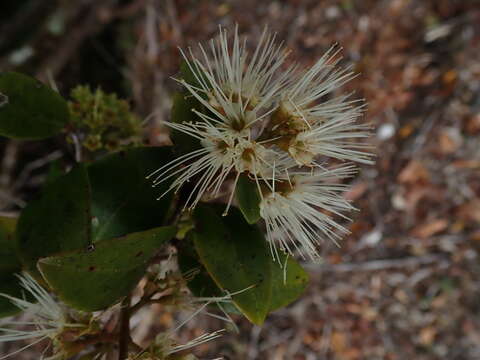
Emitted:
<point x="103" y="121"/>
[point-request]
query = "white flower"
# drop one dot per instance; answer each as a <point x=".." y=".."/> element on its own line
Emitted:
<point x="329" y="138"/>
<point x="238" y="91"/>
<point x="221" y="154"/>
<point x="169" y="347"/>
<point x="294" y="210"/>
<point x="268" y="121"/>
<point x="49" y="318"/>
<point x="310" y="127"/>
<point x="234" y="86"/>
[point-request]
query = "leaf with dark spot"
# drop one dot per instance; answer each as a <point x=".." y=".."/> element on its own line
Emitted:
<point x="95" y="280"/>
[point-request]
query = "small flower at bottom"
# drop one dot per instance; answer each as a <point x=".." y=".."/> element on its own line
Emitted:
<point x="50" y="320"/>
<point x="294" y="210"/>
<point x="164" y="348"/>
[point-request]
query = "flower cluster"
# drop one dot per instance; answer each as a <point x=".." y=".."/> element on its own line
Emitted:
<point x="280" y="126"/>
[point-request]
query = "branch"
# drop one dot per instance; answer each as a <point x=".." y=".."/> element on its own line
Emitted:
<point x="124" y="339"/>
<point x="375" y="265"/>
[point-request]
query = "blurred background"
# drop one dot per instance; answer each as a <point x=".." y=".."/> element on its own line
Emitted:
<point x="405" y="284"/>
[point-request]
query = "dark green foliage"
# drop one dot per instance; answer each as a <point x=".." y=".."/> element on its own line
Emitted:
<point x="9" y="285"/>
<point x="123" y="200"/>
<point x="8" y="258"/>
<point x="287" y="283"/>
<point x="9" y="266"/>
<point x="182" y="111"/>
<point x="237" y="257"/>
<point x="58" y="220"/>
<point x="198" y="280"/>
<point x="109" y="198"/>
<point x="230" y="258"/>
<point x="30" y="109"/>
<point x="248" y="199"/>
<point x="183" y="104"/>
<point x="96" y="279"/>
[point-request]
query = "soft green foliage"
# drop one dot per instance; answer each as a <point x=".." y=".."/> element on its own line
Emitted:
<point x="198" y="280"/>
<point x="123" y="201"/>
<point x="9" y="265"/>
<point x="182" y="112"/>
<point x="8" y="258"/>
<point x="109" y="198"/>
<point x="58" y="220"/>
<point x="9" y="285"/>
<point x="104" y="121"/>
<point x="93" y="280"/>
<point x="29" y="109"/>
<point x="248" y="199"/>
<point x="289" y="281"/>
<point x="237" y="257"/>
<point x="288" y="278"/>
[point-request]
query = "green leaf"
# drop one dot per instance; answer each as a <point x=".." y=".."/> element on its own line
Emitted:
<point x="289" y="279"/>
<point x="236" y="256"/>
<point x="9" y="285"/>
<point x="54" y="171"/>
<point x="287" y="283"/>
<point x="182" y="111"/>
<point x="29" y="109"/>
<point x="248" y="199"/>
<point x="123" y="200"/>
<point x="198" y="279"/>
<point x="8" y="257"/>
<point x="95" y="280"/>
<point x="57" y="221"/>
<point x="183" y="104"/>
<point x="188" y="75"/>
<point x="9" y="265"/>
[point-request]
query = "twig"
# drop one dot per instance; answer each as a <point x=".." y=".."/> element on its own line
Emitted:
<point x="27" y="170"/>
<point x="8" y="163"/>
<point x="11" y="200"/>
<point x="376" y="265"/>
<point x="124" y="339"/>
<point x="77" y="147"/>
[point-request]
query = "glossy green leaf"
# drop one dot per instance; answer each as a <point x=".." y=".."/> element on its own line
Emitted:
<point x="94" y="280"/>
<point x="57" y="221"/>
<point x="288" y="281"/>
<point x="9" y="284"/>
<point x="198" y="279"/>
<point x="182" y="111"/>
<point x="248" y="199"/>
<point x="183" y="104"/>
<point x="188" y="75"/>
<point x="55" y="171"/>
<point x="9" y="265"/>
<point x="29" y="109"/>
<point x="237" y="257"/>
<point x="123" y="200"/>
<point x="8" y="257"/>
